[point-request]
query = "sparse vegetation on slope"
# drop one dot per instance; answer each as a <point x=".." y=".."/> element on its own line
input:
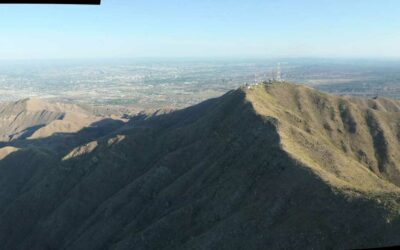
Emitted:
<point x="277" y="166"/>
<point x="348" y="140"/>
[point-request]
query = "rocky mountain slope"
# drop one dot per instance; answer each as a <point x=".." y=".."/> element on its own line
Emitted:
<point x="34" y="118"/>
<point x="273" y="166"/>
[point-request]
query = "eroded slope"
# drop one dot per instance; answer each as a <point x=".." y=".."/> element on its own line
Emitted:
<point x="236" y="172"/>
<point x="35" y="118"/>
<point x="351" y="142"/>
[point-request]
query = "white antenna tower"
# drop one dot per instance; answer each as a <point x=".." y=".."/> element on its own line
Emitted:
<point x="278" y="73"/>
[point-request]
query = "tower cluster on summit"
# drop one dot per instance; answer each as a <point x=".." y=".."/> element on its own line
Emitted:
<point x="276" y="78"/>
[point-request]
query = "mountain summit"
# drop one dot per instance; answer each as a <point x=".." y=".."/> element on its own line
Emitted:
<point x="270" y="166"/>
<point x="349" y="142"/>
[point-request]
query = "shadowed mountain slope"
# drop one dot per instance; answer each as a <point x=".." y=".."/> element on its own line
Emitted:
<point x="273" y="166"/>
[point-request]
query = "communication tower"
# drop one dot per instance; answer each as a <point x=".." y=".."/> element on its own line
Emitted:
<point x="278" y="73"/>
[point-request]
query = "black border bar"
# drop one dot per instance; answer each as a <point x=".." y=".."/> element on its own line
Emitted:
<point x="85" y="2"/>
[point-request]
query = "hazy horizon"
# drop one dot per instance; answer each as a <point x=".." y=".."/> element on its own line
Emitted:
<point x="200" y="59"/>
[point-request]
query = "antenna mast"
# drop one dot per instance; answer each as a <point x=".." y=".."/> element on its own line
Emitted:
<point x="278" y="73"/>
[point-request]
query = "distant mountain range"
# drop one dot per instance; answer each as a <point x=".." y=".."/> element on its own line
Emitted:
<point x="34" y="118"/>
<point x="271" y="166"/>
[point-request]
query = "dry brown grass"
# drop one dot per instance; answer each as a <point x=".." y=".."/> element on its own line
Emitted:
<point x="352" y="143"/>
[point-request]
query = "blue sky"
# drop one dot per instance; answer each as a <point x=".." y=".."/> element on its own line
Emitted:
<point x="202" y="28"/>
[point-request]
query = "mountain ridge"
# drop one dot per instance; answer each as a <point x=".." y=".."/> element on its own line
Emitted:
<point x="35" y="118"/>
<point x="322" y="124"/>
<point x="244" y="170"/>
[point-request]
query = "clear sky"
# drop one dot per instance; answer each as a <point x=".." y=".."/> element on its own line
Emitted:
<point x="202" y="28"/>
